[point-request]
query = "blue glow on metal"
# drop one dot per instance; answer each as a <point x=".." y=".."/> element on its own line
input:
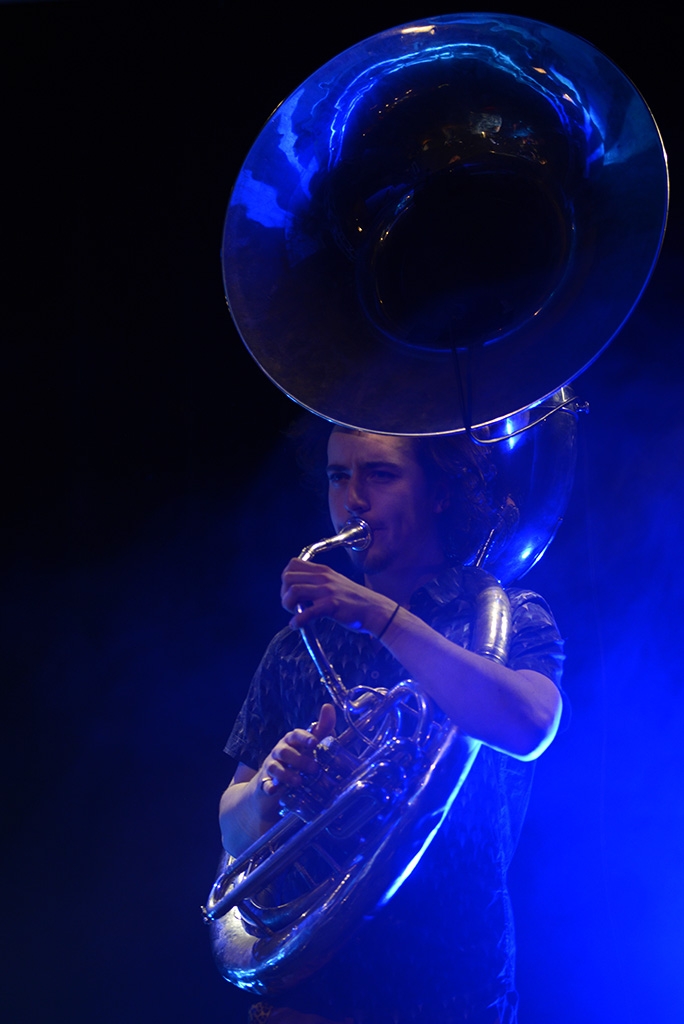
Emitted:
<point x="587" y="119"/>
<point x="509" y="427"/>
<point x="288" y="139"/>
<point x="305" y="156"/>
<point x="580" y="115"/>
<point x="260" y="202"/>
<point x="410" y="867"/>
<point x="526" y="553"/>
<point x="591" y="122"/>
<point x="261" y="199"/>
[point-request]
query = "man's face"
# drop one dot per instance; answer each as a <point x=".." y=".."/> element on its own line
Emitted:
<point x="377" y="478"/>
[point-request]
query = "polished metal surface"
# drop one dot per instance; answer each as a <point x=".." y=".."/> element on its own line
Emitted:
<point x="534" y="453"/>
<point x="350" y="836"/>
<point x="355" y="534"/>
<point x="445" y="224"/>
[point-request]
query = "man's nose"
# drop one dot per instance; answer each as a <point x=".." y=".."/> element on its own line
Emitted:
<point x="356" y="499"/>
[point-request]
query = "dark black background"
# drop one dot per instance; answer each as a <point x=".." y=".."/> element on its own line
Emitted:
<point x="150" y="504"/>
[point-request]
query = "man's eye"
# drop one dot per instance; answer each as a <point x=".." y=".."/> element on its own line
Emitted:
<point x="336" y="478"/>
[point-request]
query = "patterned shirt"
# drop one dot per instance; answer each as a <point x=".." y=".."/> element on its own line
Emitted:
<point x="443" y="949"/>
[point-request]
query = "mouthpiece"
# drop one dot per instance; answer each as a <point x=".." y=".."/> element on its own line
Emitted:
<point x="355" y="534"/>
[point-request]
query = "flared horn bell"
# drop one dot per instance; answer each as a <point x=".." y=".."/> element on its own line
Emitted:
<point x="445" y="224"/>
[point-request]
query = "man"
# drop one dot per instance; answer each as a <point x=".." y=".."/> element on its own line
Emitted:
<point x="410" y="617"/>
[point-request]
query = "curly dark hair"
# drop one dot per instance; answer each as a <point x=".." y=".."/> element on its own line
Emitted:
<point x="452" y="461"/>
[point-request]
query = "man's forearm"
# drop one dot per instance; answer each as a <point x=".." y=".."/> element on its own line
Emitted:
<point x="245" y="812"/>
<point x="514" y="711"/>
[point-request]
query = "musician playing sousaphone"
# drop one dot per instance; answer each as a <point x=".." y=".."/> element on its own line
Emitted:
<point x="443" y="948"/>
<point x="427" y="210"/>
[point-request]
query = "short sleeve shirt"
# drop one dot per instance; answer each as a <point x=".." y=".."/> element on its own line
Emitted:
<point x="443" y="948"/>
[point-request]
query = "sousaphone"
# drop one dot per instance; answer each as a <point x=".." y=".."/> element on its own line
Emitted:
<point x="436" y="232"/>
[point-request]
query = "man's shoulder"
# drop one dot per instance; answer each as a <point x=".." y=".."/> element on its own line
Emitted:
<point x="286" y="643"/>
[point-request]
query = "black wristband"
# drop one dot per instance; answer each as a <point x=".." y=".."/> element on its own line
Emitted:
<point x="388" y="623"/>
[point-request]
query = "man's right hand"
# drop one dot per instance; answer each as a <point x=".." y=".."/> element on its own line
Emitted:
<point x="251" y="803"/>
<point x="292" y="757"/>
